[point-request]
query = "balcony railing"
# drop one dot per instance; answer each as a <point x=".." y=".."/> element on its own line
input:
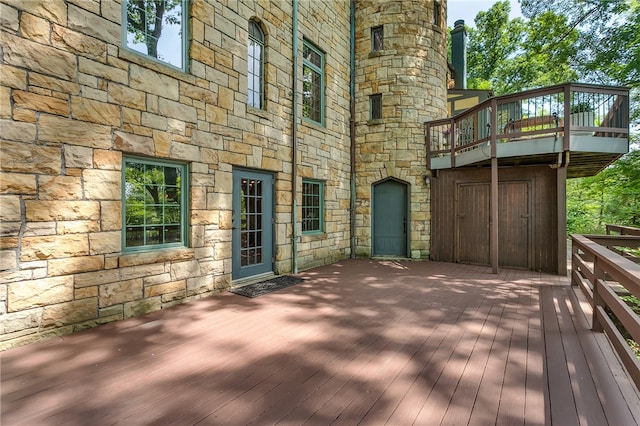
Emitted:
<point x="604" y="276"/>
<point x="600" y="112"/>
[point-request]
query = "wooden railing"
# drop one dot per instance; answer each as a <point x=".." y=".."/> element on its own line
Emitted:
<point x="604" y="276"/>
<point x="597" y="111"/>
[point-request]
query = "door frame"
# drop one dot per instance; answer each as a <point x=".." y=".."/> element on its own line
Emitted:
<point x="407" y="210"/>
<point x="269" y="262"/>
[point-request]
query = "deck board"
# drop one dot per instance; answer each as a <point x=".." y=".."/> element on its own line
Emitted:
<point x="358" y="342"/>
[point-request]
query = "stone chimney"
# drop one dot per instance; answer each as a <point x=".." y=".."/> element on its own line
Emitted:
<point x="459" y="54"/>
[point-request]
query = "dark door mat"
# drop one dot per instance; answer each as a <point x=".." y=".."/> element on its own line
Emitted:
<point x="267" y="286"/>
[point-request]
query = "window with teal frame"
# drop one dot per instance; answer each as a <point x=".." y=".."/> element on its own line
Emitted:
<point x="157" y="29"/>
<point x="312" y="206"/>
<point x="312" y="83"/>
<point x="155" y="204"/>
<point x="255" y="66"/>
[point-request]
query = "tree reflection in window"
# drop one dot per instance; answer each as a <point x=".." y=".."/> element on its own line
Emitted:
<point x="154" y="200"/>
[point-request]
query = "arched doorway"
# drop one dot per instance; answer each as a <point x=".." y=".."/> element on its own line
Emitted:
<point x="390" y="218"/>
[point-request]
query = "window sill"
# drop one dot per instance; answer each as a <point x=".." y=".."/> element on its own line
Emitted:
<point x="257" y="111"/>
<point x="155" y="256"/>
<point x="314" y="124"/>
<point x="376" y="53"/>
<point x="314" y="236"/>
<point x="375" y="122"/>
<point x="158" y="66"/>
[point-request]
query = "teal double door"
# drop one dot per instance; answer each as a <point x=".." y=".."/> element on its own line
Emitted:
<point x="252" y="228"/>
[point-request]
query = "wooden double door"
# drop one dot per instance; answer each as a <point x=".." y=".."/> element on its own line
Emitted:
<point x="515" y="223"/>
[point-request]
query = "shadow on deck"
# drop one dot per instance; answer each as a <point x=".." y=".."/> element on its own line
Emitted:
<point x="360" y="341"/>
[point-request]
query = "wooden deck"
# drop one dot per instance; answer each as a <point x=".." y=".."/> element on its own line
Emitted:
<point x="360" y="341"/>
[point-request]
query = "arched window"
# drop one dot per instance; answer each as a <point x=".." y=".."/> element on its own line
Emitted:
<point x="255" y="70"/>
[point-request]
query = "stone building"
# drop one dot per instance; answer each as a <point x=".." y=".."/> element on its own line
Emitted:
<point x="151" y="157"/>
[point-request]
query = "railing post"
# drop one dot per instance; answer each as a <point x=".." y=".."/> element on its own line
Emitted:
<point x="574" y="254"/>
<point x="598" y="274"/>
<point x="493" y="239"/>
<point x="567" y="118"/>
<point x="452" y="142"/>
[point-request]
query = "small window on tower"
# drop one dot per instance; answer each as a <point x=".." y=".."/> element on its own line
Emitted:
<point x="376" y="106"/>
<point x="437" y="13"/>
<point x="377" y="39"/>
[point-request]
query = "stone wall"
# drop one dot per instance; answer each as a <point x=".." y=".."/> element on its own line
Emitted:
<point x="410" y="73"/>
<point x="73" y="102"/>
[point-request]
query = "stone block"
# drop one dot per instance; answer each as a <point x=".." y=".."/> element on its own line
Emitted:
<point x="48" y="210"/>
<point x="89" y="279"/>
<point x="38" y="57"/>
<point x="177" y="110"/>
<point x="8" y="260"/>
<point x="34" y="28"/>
<point x="102" y="184"/>
<point x="160" y="289"/>
<point x="159" y="256"/>
<point x="134" y="144"/>
<point x="141" y="307"/>
<point x="54" y="247"/>
<point x="74" y="265"/>
<point x="16" y="131"/>
<point x="36" y="293"/>
<point x="120" y="292"/>
<point x="18" y="183"/>
<point x="85" y="292"/>
<point x="126" y="96"/>
<point x="184" y="270"/>
<point x="10" y="210"/>
<point x="111" y="215"/>
<point x="73" y="132"/>
<point x="142" y="271"/>
<point x="93" y="25"/>
<point x="59" y="188"/>
<point x="70" y="312"/>
<point x="152" y="82"/>
<point x="18" y="321"/>
<point x="78" y="156"/>
<point x="73" y="41"/>
<point x="199" y="285"/>
<point x="107" y="160"/>
<point x="95" y="111"/>
<point x="105" y="242"/>
<point x="33" y="101"/>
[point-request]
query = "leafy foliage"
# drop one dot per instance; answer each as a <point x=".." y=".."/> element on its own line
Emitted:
<point x="145" y="20"/>
<point x="612" y="196"/>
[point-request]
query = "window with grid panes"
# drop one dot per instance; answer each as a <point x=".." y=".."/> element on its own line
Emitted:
<point x="377" y="39"/>
<point x="155" y="203"/>
<point x="312" y="206"/>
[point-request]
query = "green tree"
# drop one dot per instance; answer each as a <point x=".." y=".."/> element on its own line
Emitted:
<point x="512" y="55"/>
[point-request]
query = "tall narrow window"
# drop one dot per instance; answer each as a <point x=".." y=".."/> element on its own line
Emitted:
<point x="312" y="206"/>
<point x="375" y="106"/>
<point x="157" y="28"/>
<point x="436" y="13"/>
<point x="155" y="204"/>
<point x="255" y="72"/>
<point x="377" y="39"/>
<point x="312" y="83"/>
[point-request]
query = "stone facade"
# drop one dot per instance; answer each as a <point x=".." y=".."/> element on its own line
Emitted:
<point x="73" y="102"/>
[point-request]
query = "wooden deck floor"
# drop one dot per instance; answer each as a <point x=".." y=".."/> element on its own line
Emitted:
<point x="359" y="342"/>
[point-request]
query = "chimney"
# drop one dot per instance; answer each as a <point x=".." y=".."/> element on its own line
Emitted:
<point x="459" y="54"/>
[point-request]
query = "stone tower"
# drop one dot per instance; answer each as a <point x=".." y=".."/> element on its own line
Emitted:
<point x="401" y="68"/>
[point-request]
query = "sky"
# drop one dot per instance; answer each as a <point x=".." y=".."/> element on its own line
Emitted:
<point x="468" y="9"/>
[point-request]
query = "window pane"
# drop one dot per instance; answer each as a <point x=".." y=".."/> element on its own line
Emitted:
<point x="255" y="71"/>
<point x="312" y="209"/>
<point x="376" y="106"/>
<point x="156" y="31"/>
<point x="153" y="207"/>
<point x="377" y="39"/>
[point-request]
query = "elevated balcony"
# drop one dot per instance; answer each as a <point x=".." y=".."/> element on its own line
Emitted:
<point x="584" y="127"/>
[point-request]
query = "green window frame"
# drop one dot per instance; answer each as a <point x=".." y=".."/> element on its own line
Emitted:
<point x="155" y="203"/>
<point x="377" y="39"/>
<point x="312" y="206"/>
<point x="312" y="83"/>
<point x="375" y="106"/>
<point x="255" y="66"/>
<point x="157" y="29"/>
